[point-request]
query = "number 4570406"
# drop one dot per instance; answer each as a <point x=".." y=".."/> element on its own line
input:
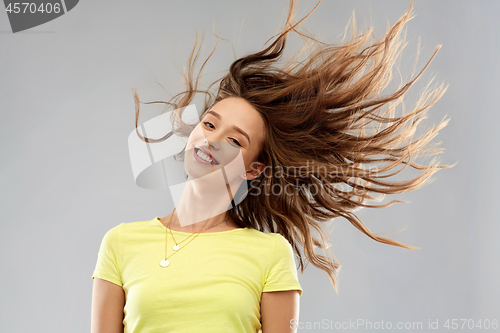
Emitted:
<point x="17" y="7"/>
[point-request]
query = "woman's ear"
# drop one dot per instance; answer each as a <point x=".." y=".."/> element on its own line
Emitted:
<point x="256" y="168"/>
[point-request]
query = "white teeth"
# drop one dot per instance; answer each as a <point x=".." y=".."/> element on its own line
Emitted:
<point x="203" y="156"/>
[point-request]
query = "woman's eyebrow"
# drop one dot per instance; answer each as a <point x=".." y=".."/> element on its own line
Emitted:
<point x="236" y="128"/>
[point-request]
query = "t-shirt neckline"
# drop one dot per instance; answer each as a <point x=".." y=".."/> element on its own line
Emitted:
<point x="157" y="221"/>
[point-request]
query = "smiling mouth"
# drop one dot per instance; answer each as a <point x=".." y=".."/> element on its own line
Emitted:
<point x="205" y="157"/>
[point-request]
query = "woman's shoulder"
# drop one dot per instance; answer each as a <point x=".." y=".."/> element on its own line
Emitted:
<point x="126" y="227"/>
<point x="266" y="234"/>
<point x="271" y="239"/>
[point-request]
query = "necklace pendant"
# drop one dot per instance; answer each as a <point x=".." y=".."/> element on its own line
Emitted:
<point x="175" y="247"/>
<point x="164" y="263"/>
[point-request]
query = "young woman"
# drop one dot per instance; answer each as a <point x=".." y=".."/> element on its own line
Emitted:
<point x="315" y="141"/>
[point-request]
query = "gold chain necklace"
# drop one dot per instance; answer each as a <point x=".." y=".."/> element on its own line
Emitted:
<point x="165" y="262"/>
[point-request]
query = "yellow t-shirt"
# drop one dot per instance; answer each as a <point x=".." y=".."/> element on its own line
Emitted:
<point x="213" y="284"/>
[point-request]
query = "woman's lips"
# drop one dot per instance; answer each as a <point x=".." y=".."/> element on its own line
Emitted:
<point x="199" y="159"/>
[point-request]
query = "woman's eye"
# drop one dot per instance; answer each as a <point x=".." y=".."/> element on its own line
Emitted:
<point x="236" y="141"/>
<point x="206" y="122"/>
<point x="209" y="124"/>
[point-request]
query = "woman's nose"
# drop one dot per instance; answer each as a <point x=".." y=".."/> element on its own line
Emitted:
<point x="211" y="142"/>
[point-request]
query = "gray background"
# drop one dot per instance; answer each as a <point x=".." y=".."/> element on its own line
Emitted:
<point x="67" y="110"/>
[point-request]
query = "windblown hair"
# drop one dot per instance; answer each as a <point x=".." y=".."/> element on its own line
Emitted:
<point x="318" y="113"/>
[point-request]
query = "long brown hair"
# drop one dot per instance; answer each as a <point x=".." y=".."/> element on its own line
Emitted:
<point x="318" y="113"/>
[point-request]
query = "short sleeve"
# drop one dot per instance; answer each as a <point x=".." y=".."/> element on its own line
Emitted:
<point x="282" y="273"/>
<point x="108" y="266"/>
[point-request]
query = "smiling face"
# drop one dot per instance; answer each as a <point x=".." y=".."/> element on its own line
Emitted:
<point x="230" y="126"/>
